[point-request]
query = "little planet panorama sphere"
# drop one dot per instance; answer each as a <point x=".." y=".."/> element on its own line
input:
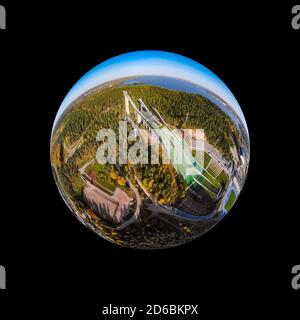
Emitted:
<point x="150" y="150"/>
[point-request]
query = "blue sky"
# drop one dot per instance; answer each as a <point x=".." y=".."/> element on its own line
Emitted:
<point x="157" y="63"/>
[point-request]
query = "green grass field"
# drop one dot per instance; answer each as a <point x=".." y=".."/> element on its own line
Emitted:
<point x="230" y="201"/>
<point x="207" y="158"/>
<point x="222" y="178"/>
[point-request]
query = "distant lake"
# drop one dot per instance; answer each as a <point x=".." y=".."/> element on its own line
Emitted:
<point x="182" y="85"/>
<point x="165" y="82"/>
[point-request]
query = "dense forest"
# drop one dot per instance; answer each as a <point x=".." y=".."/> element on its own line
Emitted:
<point x="74" y="141"/>
<point x="192" y="111"/>
<point x="104" y="108"/>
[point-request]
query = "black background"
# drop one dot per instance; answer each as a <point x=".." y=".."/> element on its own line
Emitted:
<point x="55" y="266"/>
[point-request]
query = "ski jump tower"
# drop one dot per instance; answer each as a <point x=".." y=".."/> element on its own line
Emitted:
<point x="192" y="171"/>
<point x="143" y="114"/>
<point x="128" y="102"/>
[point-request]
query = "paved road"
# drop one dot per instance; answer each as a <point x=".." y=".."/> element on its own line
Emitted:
<point x="138" y="205"/>
<point x="70" y="151"/>
<point x="180" y="214"/>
